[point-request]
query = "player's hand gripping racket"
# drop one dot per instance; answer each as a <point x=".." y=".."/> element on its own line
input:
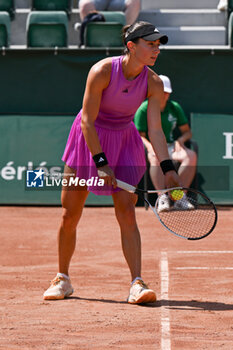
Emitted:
<point x="185" y="212"/>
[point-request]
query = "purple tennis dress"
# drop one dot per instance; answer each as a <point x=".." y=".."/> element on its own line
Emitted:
<point x="117" y="133"/>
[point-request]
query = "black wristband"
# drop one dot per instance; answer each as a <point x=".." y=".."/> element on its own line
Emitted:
<point x="167" y="165"/>
<point x="100" y="160"/>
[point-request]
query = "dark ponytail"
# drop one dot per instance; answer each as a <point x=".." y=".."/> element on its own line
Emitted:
<point x="125" y="31"/>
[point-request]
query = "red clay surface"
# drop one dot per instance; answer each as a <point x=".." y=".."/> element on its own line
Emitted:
<point x="200" y="300"/>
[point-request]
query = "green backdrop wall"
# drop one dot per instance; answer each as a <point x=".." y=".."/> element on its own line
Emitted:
<point x="214" y="135"/>
<point x="29" y="142"/>
<point x="41" y="82"/>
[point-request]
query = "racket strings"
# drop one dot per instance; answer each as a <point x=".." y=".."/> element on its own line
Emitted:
<point x="192" y="216"/>
<point x="191" y="225"/>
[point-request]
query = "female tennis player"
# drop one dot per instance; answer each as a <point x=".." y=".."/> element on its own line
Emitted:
<point x="104" y="142"/>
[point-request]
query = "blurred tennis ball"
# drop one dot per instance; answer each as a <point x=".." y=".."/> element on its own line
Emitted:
<point x="176" y="195"/>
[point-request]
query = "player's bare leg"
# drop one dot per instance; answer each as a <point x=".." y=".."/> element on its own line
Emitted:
<point x="131" y="245"/>
<point x="130" y="237"/>
<point x="73" y="201"/>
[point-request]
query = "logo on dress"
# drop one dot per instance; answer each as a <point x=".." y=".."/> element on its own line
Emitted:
<point x="126" y="90"/>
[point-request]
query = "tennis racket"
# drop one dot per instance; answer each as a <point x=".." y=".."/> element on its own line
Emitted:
<point x="185" y="212"/>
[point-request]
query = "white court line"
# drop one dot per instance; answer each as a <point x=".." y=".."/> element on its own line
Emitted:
<point x="203" y="268"/>
<point x="165" y="319"/>
<point x="204" y="252"/>
<point x="9" y="269"/>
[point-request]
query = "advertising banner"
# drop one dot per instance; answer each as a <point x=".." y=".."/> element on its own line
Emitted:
<point x="214" y="135"/>
<point x="30" y="165"/>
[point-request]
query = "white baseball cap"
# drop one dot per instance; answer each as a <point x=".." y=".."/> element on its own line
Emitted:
<point x="167" y="87"/>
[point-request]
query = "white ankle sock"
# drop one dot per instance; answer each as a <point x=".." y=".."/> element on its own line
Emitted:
<point x="137" y="278"/>
<point x="63" y="275"/>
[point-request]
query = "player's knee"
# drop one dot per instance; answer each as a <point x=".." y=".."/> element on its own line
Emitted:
<point x="69" y="221"/>
<point x="126" y="216"/>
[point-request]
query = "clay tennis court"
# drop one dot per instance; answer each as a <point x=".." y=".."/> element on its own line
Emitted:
<point x="193" y="281"/>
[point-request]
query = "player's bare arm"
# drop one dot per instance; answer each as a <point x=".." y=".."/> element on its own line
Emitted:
<point x="98" y="80"/>
<point x="155" y="131"/>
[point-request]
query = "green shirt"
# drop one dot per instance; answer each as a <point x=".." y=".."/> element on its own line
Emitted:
<point x="171" y="117"/>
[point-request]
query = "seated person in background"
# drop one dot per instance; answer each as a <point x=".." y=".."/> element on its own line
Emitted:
<point x="172" y="115"/>
<point x="130" y="7"/>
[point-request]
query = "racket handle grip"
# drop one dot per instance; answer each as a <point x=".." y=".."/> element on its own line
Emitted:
<point x="125" y="186"/>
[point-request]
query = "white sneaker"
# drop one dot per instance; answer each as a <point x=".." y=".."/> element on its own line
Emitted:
<point x="60" y="288"/>
<point x="222" y="5"/>
<point x="140" y="293"/>
<point x="183" y="204"/>
<point x="163" y="203"/>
